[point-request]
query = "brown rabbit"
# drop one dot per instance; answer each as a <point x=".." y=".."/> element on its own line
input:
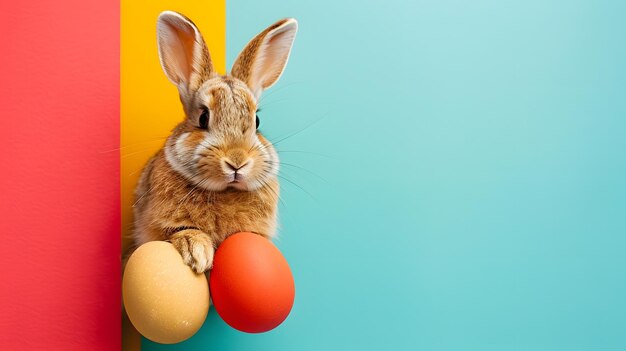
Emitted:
<point x="216" y="174"/>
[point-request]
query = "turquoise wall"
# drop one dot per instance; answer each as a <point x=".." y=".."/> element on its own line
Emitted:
<point x="458" y="178"/>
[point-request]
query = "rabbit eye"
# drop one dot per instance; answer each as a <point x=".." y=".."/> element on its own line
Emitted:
<point x="258" y="121"/>
<point x="204" y="119"/>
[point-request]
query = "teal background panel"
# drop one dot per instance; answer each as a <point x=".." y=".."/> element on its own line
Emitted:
<point x="453" y="178"/>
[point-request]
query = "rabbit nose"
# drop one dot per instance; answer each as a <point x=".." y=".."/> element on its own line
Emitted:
<point x="235" y="167"/>
<point x="235" y="159"/>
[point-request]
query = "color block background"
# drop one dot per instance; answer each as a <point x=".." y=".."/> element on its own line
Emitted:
<point x="473" y="162"/>
<point x="59" y="179"/>
<point x="453" y="172"/>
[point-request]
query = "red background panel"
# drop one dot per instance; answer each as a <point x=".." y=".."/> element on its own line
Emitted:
<point x="59" y="175"/>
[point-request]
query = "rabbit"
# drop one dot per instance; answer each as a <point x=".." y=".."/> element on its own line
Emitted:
<point x="216" y="174"/>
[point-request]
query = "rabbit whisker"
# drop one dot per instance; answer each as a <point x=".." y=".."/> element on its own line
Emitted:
<point x="296" y="185"/>
<point x="304" y="152"/>
<point x="133" y="144"/>
<point x="297" y="167"/>
<point x="189" y="193"/>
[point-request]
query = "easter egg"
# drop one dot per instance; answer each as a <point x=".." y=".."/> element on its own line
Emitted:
<point x="164" y="299"/>
<point x="251" y="283"/>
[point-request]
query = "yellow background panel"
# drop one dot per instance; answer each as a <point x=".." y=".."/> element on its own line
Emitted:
<point x="150" y="107"/>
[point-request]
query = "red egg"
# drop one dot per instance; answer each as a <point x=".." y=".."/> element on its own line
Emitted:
<point x="251" y="284"/>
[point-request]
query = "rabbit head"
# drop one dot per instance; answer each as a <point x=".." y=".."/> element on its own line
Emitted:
<point x="218" y="145"/>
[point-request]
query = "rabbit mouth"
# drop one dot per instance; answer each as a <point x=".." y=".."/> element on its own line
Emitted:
<point x="236" y="180"/>
<point x="237" y="184"/>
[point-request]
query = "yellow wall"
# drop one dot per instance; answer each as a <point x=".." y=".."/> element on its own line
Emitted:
<point x="149" y="102"/>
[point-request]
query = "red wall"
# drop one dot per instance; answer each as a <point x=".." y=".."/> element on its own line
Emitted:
<point x="59" y="175"/>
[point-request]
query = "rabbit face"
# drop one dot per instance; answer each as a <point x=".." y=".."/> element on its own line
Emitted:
<point x="218" y="146"/>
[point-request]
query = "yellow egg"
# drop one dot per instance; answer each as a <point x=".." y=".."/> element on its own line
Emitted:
<point x="164" y="299"/>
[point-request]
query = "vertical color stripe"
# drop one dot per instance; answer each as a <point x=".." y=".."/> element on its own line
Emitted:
<point x="59" y="184"/>
<point x="150" y="107"/>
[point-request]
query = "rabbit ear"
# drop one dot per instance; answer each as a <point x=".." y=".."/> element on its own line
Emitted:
<point x="184" y="55"/>
<point x="263" y="60"/>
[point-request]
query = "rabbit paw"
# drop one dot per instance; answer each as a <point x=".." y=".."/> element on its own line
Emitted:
<point x="196" y="248"/>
